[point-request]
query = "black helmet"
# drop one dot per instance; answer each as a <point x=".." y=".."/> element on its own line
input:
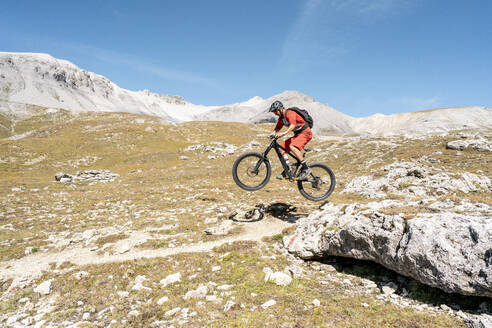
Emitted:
<point x="276" y="106"/>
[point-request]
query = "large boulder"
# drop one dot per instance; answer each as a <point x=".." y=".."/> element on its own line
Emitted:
<point x="447" y="250"/>
<point x="480" y="144"/>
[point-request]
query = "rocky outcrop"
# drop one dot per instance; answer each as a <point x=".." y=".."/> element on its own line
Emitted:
<point x="40" y="79"/>
<point x="215" y="149"/>
<point x="447" y="250"/>
<point x="88" y="176"/>
<point x="414" y="180"/>
<point x="480" y="144"/>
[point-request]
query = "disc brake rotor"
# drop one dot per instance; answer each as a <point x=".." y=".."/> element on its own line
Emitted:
<point x="316" y="183"/>
<point x="251" y="172"/>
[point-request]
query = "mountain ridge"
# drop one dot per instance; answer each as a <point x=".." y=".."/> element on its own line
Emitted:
<point x="43" y="80"/>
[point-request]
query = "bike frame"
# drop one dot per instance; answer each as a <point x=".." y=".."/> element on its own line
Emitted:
<point x="274" y="145"/>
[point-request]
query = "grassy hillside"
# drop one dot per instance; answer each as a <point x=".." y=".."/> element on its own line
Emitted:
<point x="169" y="195"/>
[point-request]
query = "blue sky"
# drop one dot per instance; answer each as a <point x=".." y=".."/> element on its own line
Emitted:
<point x="359" y="56"/>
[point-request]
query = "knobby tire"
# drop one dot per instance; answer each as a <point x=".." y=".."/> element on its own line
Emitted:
<point x="251" y="156"/>
<point x="303" y="185"/>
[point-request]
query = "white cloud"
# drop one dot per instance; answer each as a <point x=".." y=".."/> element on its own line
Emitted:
<point x="295" y="45"/>
<point x="324" y="30"/>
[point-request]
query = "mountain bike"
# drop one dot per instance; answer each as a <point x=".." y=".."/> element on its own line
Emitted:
<point x="252" y="171"/>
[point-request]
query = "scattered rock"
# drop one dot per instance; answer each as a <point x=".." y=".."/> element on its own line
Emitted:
<point x="268" y="304"/>
<point x="200" y="292"/>
<point x="279" y="278"/>
<point x="213" y="298"/>
<point x="172" y="312"/>
<point x="218" y="148"/>
<point x="133" y="313"/>
<point x="386" y="290"/>
<point x="139" y="280"/>
<point x="229" y="305"/>
<point x="223" y="229"/>
<point x="211" y="220"/>
<point x="411" y="180"/>
<point x="225" y="287"/>
<point x="27" y="321"/>
<point x="389" y="288"/>
<point x="444" y="307"/>
<point x="316" y="302"/>
<point x="171" y="279"/>
<point x="88" y="176"/>
<point x="162" y="300"/>
<point x="44" y="288"/>
<point x="81" y="274"/>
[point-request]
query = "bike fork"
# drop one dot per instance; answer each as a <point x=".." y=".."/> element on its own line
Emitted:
<point x="258" y="164"/>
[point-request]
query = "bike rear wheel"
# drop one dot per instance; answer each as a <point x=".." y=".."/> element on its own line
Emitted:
<point x="251" y="171"/>
<point x="319" y="184"/>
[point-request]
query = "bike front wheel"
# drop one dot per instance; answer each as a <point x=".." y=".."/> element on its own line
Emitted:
<point x="319" y="184"/>
<point x="251" y="171"/>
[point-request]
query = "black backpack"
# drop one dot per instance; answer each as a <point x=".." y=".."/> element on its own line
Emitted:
<point x="305" y="115"/>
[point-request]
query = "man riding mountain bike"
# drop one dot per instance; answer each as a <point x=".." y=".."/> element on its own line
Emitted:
<point x="295" y="144"/>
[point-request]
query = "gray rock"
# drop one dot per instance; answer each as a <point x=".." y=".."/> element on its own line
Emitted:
<point x="170" y="279"/>
<point x="200" y="292"/>
<point x="80" y="275"/>
<point x="411" y="180"/>
<point x="295" y="270"/>
<point x="60" y="176"/>
<point x="229" y="305"/>
<point x="44" y="288"/>
<point x="480" y="144"/>
<point x="89" y="176"/>
<point x="482" y="321"/>
<point x="133" y="313"/>
<point x="172" y="312"/>
<point x="279" y="278"/>
<point x="441" y="249"/>
<point x="389" y="288"/>
<point x="268" y="304"/>
<point x="162" y="300"/>
<point x="139" y="280"/>
<point x="222" y="229"/>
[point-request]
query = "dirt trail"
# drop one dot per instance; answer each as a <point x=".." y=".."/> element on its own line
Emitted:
<point x="32" y="266"/>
